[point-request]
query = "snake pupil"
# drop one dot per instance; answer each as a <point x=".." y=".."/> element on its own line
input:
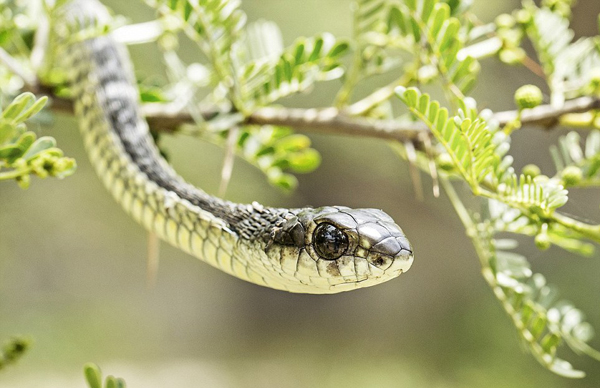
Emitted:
<point x="329" y="241"/>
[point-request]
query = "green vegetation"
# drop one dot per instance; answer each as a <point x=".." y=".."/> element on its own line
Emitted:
<point x="93" y="376"/>
<point x="13" y="350"/>
<point x="22" y="154"/>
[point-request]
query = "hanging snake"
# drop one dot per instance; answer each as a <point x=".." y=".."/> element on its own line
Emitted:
<point x="309" y="250"/>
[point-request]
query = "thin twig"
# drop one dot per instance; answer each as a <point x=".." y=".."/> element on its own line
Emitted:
<point x="378" y="96"/>
<point x="534" y="67"/>
<point x="333" y="121"/>
<point x="431" y="163"/>
<point x="139" y="33"/>
<point x="152" y="259"/>
<point x="228" y="161"/>
<point x="40" y="43"/>
<point x="415" y="176"/>
<point x="16" y="68"/>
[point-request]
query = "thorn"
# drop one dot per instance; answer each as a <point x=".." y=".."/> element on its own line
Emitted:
<point x="40" y="44"/>
<point x="152" y="260"/>
<point x="432" y="167"/>
<point x="411" y="156"/>
<point x="228" y="161"/>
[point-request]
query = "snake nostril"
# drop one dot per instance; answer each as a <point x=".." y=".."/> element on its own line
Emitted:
<point x="381" y="262"/>
<point x="404" y="244"/>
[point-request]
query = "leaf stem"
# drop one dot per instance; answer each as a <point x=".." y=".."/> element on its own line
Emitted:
<point x="360" y="107"/>
<point x="460" y="208"/>
<point x="13" y="174"/>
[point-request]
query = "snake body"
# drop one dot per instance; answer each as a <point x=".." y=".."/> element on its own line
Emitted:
<point x="311" y="250"/>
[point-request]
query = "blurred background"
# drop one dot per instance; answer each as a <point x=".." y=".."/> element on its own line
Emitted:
<point x="73" y="269"/>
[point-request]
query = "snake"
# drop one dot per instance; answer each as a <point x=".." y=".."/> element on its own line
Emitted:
<point x="320" y="250"/>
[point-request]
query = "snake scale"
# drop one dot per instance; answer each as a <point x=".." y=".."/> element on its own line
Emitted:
<point x="309" y="250"/>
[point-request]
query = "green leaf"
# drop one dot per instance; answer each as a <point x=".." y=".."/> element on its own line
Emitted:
<point x="13" y="350"/>
<point x="93" y="375"/>
<point x="286" y="182"/>
<point x="216" y="25"/>
<point x="538" y="326"/>
<point x="274" y="150"/>
<point x="7" y="132"/>
<point x="468" y="143"/>
<point x="10" y="153"/>
<point x="415" y="28"/>
<point x="441" y="14"/>
<point x="306" y="62"/>
<point x="449" y="37"/>
<point x="542" y="323"/>
<point x="430" y="29"/>
<point x="16" y="108"/>
<point x="477" y="157"/>
<point x="338" y="50"/>
<point x="305" y="161"/>
<point x="299" y="52"/>
<point x="113" y="382"/>
<point x="33" y="109"/>
<point x="564" y="369"/>
<point x="150" y="92"/>
<point x="293" y="142"/>
<point x="428" y="6"/>
<point x="26" y="140"/>
<point x="264" y="41"/>
<point x="396" y="20"/>
<point x="316" y="52"/>
<point x="550" y="342"/>
<point x="42" y="144"/>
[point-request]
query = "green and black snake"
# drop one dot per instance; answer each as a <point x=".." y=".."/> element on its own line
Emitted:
<point x="310" y="250"/>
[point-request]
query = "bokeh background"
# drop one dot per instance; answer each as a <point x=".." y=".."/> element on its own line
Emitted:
<point x="72" y="265"/>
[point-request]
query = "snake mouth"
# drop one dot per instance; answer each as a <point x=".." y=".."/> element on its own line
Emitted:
<point x="375" y="268"/>
<point x="389" y="254"/>
<point x="386" y="264"/>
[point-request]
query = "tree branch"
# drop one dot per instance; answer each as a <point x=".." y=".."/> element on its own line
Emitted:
<point x="333" y="121"/>
<point x="167" y="118"/>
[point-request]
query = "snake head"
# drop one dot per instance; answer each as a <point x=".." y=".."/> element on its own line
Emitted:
<point x="340" y="249"/>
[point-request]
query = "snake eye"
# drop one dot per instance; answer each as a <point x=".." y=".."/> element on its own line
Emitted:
<point x="329" y="241"/>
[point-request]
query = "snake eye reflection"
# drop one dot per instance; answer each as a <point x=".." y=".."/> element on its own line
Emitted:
<point x="330" y="242"/>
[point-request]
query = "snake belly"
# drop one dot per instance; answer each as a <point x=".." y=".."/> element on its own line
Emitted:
<point x="310" y="250"/>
